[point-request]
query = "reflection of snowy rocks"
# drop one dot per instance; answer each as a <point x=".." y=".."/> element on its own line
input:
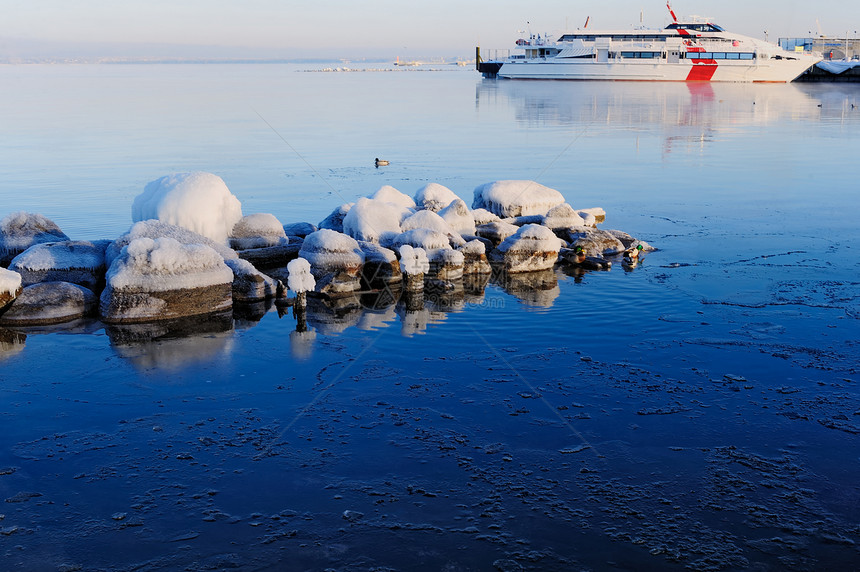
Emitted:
<point x="532" y="248"/>
<point x="516" y="198"/>
<point x="20" y="231"/>
<point x="257" y="231"/>
<point x="78" y="262"/>
<point x="10" y="287"/>
<point x="11" y="343"/>
<point x="197" y="201"/>
<point x="163" y="279"/>
<point x="49" y="303"/>
<point x="538" y="289"/>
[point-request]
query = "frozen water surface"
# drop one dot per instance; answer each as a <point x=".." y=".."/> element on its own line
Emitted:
<point x="699" y="411"/>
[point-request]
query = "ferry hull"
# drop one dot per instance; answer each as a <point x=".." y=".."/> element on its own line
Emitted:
<point x="775" y="71"/>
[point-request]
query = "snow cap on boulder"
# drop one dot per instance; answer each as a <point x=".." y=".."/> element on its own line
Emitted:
<point x="258" y="230"/>
<point x="531" y="248"/>
<point x="19" y="231"/>
<point x="50" y="303"/>
<point x="457" y="215"/>
<point x="389" y="194"/>
<point x="10" y="281"/>
<point x="157" y="229"/>
<point x="516" y="198"/>
<point x="329" y="251"/>
<point x="197" y="201"/>
<point x="434" y="197"/>
<point x="374" y="220"/>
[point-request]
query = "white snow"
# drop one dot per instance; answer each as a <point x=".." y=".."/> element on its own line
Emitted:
<point x="197" y="201"/>
<point x="374" y="220"/>
<point x="376" y="253"/>
<point x="262" y="286"/>
<point x="329" y="250"/>
<point x="428" y="220"/>
<point x="258" y="230"/>
<point x="64" y="255"/>
<point x="9" y="281"/>
<point x="51" y="302"/>
<point x="162" y="264"/>
<point x="474" y="247"/>
<point x="422" y="238"/>
<point x="562" y="216"/>
<point x="300" y="278"/>
<point x="531" y="238"/>
<point x="434" y="197"/>
<point x="413" y="260"/>
<point x="18" y="231"/>
<point x="158" y="229"/>
<point x="457" y="215"/>
<point x="516" y="198"/>
<point x="389" y="194"/>
<point x="334" y="221"/>
<point x="483" y="216"/>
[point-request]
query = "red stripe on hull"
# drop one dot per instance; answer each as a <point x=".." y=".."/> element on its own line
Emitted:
<point x="702" y="71"/>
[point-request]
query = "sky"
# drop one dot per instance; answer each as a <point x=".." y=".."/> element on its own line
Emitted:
<point x="374" y="28"/>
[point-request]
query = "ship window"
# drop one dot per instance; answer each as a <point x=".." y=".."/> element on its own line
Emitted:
<point x="733" y="56"/>
<point x="746" y="56"/>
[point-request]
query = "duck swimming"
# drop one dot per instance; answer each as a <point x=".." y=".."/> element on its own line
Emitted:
<point x="380" y="162"/>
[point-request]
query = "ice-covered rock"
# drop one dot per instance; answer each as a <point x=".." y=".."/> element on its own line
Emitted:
<point x="458" y="216"/>
<point x="49" y="303"/>
<point x="374" y="220"/>
<point x="422" y="238"/>
<point x="496" y="232"/>
<point x="19" y="231"/>
<point x="157" y="229"/>
<point x="531" y="248"/>
<point x="330" y="252"/>
<point x="475" y="258"/>
<point x="597" y="213"/>
<point x="162" y="279"/>
<point x="428" y="220"/>
<point x="300" y="229"/>
<point x="380" y="268"/>
<point x="258" y="230"/>
<point x="434" y="197"/>
<point x="516" y="198"/>
<point x="334" y="221"/>
<point x="249" y="284"/>
<point x="389" y="194"/>
<point x="446" y="264"/>
<point x="595" y="241"/>
<point x="78" y="262"/>
<point x="483" y="216"/>
<point x="300" y="280"/>
<point x="413" y="261"/>
<point x="561" y="217"/>
<point x="10" y="287"/>
<point x="197" y="201"/>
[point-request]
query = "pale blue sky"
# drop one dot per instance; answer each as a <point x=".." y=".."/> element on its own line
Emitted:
<point x="384" y="27"/>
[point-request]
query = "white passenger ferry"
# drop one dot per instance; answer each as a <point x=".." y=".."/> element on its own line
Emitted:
<point x="694" y="51"/>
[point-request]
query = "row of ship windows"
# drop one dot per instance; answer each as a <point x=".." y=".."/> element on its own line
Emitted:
<point x="694" y="55"/>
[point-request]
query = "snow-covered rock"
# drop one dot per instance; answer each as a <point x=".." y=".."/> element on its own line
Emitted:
<point x="300" y="279"/>
<point x="428" y="220"/>
<point x="422" y="238"/>
<point x="10" y="287"/>
<point x="496" y="232"/>
<point x="300" y="229"/>
<point x="594" y="241"/>
<point x="531" y="248"/>
<point x="413" y="261"/>
<point x="197" y="201"/>
<point x="483" y="216"/>
<point x="19" y="231"/>
<point x="258" y="230"/>
<point x="78" y="262"/>
<point x="458" y="216"/>
<point x="157" y="229"/>
<point x="516" y="198"/>
<point x="249" y="284"/>
<point x="597" y="213"/>
<point x="380" y="266"/>
<point x="389" y="194"/>
<point x="330" y="252"/>
<point x="446" y="264"/>
<point x="334" y="221"/>
<point x="49" y="303"/>
<point x="561" y="217"/>
<point x="434" y="197"/>
<point x="161" y="279"/>
<point x="475" y="258"/>
<point x="374" y="220"/>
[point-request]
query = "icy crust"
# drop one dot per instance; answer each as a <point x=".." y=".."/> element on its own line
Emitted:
<point x="422" y="238"/>
<point x="389" y="194"/>
<point x="483" y="216"/>
<point x="531" y="249"/>
<point x="50" y="303"/>
<point x="10" y="282"/>
<point x="427" y="220"/>
<point x="157" y="229"/>
<point x="258" y="231"/>
<point x="516" y="198"/>
<point x="473" y="248"/>
<point x="413" y="260"/>
<point x="163" y="264"/>
<point x="374" y="220"/>
<point x="19" y="231"/>
<point x="300" y="278"/>
<point x="458" y="216"/>
<point x="434" y="197"/>
<point x="330" y="251"/>
<point x="65" y="255"/>
<point x="198" y="201"/>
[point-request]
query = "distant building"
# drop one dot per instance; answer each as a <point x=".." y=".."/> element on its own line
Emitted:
<point x="830" y="47"/>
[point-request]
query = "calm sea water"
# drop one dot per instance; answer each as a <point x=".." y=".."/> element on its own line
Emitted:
<point x="699" y="411"/>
